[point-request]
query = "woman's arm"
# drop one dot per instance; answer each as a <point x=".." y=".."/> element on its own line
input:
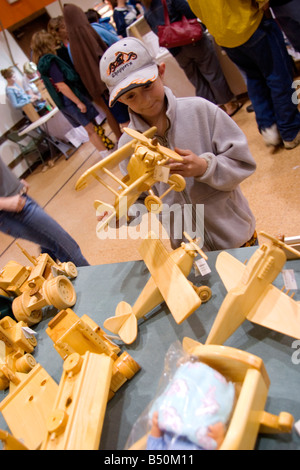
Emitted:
<point x="66" y="90"/>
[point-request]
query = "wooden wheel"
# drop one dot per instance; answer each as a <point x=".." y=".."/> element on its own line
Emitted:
<point x="59" y="292"/>
<point x="153" y="204"/>
<point x="23" y="313"/>
<point x="179" y="182"/>
<point x="70" y="269"/>
<point x="204" y="293"/>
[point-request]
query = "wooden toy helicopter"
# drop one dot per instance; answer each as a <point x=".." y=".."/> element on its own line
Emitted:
<point x="251" y="294"/>
<point x="249" y="374"/>
<point x="168" y="282"/>
<point x="147" y="157"/>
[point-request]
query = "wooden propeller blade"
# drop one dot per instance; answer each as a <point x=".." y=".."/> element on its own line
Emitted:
<point x="176" y="290"/>
<point x="159" y="148"/>
<point x="169" y="153"/>
<point x="124" y="323"/>
<point x="195" y="246"/>
<point x="280" y="243"/>
<point x="137" y="135"/>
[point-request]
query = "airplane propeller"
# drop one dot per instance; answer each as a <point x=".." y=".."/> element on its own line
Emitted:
<point x="153" y="144"/>
<point x="195" y="246"/>
<point x="280" y="243"/>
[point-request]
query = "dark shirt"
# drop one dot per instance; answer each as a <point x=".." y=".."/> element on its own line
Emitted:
<point x="176" y="9"/>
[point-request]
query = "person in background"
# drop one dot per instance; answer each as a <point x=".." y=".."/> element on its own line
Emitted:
<point x="64" y="87"/>
<point x="30" y="75"/>
<point x="86" y="48"/>
<point x="16" y="95"/>
<point x="257" y="47"/>
<point x="104" y="30"/>
<point x="22" y="217"/>
<point x="216" y="156"/>
<point x="57" y="27"/>
<point x="198" y="60"/>
<point x="287" y="13"/>
<point x="124" y="15"/>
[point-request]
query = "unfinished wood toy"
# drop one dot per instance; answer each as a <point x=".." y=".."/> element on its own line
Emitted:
<point x="27" y="407"/>
<point x="251" y="294"/>
<point x="168" y="283"/>
<point x="71" y="334"/>
<point x="9" y="442"/>
<point x="15" y="349"/>
<point x="248" y="418"/>
<point x="76" y="419"/>
<point x="144" y="170"/>
<point x="14" y="277"/>
<point x="45" y="283"/>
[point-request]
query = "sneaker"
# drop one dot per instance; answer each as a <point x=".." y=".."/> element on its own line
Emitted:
<point x="293" y="143"/>
<point x="271" y="136"/>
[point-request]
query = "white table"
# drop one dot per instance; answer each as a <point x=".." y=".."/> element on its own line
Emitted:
<point x="41" y="126"/>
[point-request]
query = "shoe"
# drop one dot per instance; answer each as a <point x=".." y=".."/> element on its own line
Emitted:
<point x="293" y="143"/>
<point x="271" y="136"/>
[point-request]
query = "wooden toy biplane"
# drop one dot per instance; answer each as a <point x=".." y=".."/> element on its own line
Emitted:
<point x="249" y="374"/>
<point x="168" y="282"/>
<point x="147" y="157"/>
<point x="251" y="294"/>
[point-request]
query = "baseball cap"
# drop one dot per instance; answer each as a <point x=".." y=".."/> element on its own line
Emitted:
<point x="125" y="65"/>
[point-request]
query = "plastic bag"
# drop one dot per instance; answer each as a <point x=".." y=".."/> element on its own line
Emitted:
<point x="192" y="407"/>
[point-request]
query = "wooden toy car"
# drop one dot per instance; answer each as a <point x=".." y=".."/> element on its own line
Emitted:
<point x="15" y="351"/>
<point x="71" y="334"/>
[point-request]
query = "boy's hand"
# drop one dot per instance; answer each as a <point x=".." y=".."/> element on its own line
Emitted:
<point x="192" y="165"/>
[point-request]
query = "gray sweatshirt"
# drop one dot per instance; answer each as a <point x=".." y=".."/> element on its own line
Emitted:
<point x="200" y="126"/>
<point x="10" y="185"/>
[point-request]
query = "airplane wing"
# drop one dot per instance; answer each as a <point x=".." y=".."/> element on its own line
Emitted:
<point x="176" y="290"/>
<point x="229" y="269"/>
<point x="278" y="311"/>
<point x="109" y="162"/>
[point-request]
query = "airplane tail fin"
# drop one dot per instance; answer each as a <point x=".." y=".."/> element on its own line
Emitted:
<point x="124" y="323"/>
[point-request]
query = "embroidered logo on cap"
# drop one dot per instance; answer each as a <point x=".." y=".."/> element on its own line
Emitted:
<point x="122" y="60"/>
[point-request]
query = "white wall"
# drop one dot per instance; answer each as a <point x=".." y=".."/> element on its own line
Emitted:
<point x="9" y="116"/>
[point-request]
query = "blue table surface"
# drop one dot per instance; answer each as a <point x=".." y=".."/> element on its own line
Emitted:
<point x="100" y="288"/>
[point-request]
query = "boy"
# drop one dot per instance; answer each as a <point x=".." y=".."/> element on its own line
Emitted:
<point x="215" y="151"/>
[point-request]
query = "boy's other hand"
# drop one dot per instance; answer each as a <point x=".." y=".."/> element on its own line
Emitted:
<point x="192" y="165"/>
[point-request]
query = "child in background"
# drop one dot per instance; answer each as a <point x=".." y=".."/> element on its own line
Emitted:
<point x="215" y="151"/>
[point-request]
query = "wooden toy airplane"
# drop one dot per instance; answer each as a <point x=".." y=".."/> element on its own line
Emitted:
<point x="248" y="373"/>
<point x="168" y="282"/>
<point x="251" y="294"/>
<point x="147" y="157"/>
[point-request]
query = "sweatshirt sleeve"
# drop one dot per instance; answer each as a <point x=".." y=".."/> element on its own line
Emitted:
<point x="17" y="101"/>
<point x="229" y="158"/>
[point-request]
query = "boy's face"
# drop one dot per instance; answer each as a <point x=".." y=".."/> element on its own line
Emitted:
<point x="147" y="100"/>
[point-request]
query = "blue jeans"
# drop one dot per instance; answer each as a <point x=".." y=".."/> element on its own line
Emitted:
<point x="268" y="68"/>
<point x="35" y="225"/>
